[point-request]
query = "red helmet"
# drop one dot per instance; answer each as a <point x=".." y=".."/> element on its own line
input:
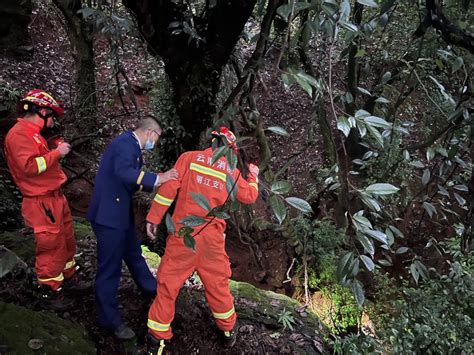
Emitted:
<point x="228" y="136"/>
<point x="41" y="98"/>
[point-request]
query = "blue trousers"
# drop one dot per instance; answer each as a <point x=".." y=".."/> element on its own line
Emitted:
<point x="113" y="246"/>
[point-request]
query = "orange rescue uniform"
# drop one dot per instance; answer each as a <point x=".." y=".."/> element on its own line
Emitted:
<point x="210" y="260"/>
<point x="38" y="174"/>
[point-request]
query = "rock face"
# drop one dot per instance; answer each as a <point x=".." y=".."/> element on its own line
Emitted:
<point x="15" y="15"/>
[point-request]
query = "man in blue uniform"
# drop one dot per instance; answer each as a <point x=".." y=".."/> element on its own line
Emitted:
<point x="111" y="215"/>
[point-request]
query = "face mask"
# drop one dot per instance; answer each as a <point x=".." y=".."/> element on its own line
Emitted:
<point x="149" y="144"/>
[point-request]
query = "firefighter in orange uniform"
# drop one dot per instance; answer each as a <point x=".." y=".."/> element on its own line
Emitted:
<point x="210" y="260"/>
<point x="37" y="173"/>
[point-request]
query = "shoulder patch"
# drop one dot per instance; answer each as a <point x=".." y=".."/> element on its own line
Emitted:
<point x="37" y="139"/>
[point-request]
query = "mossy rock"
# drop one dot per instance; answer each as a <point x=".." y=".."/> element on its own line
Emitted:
<point x="42" y="330"/>
<point x="270" y="306"/>
<point x="82" y="228"/>
<point x="23" y="245"/>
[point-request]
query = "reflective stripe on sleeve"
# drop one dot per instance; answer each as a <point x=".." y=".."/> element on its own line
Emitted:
<point x="255" y="185"/>
<point x="163" y="200"/>
<point x="41" y="162"/>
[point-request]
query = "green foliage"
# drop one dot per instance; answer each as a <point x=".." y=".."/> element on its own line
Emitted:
<point x="323" y="241"/>
<point x="434" y="318"/>
<point x="339" y="310"/>
<point x="286" y="319"/>
<point x="9" y="96"/>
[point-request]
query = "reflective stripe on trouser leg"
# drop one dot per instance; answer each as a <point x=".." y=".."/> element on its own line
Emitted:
<point x="50" y="258"/>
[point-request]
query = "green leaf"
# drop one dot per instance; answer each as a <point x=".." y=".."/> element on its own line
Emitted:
<point x="343" y="125"/>
<point x="363" y="221"/>
<point x="386" y="77"/>
<point x="460" y="199"/>
<point x="358" y="292"/>
<point x="422" y="270"/>
<point x="201" y="200"/>
<point x="458" y="63"/>
<point x="281" y="187"/>
<point x="381" y="189"/>
<point x="430" y="153"/>
<point x="192" y="221"/>
<point x="367" y="243"/>
<point x="278" y="207"/>
<point x="370" y="202"/>
<point x="343" y="265"/>
<point x="219" y="213"/>
<point x="382" y="100"/>
<point x="354" y="268"/>
<point x="231" y="187"/>
<point x="369" y="3"/>
<point x="402" y="250"/>
<point x="278" y="130"/>
<point x="170" y="224"/>
<point x="414" y="272"/>
<point x="375" y="134"/>
<point x="304" y="84"/>
<point x="299" y="204"/>
<point x="369" y="264"/>
<point x="185" y="231"/>
<point x="190" y="242"/>
<point x="234" y="206"/>
<point x="288" y="80"/>
<point x="377" y="122"/>
<point x="219" y="153"/>
<point x="353" y="28"/>
<point x="425" y="179"/>
<point x="377" y="235"/>
<point x="364" y="91"/>
<point x="285" y="10"/>
<point x="429" y="208"/>
<point x="384" y="262"/>
<point x="231" y="159"/>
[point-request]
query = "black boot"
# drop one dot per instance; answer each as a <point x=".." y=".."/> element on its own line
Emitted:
<point x="229" y="337"/>
<point x="155" y="346"/>
<point x="54" y="300"/>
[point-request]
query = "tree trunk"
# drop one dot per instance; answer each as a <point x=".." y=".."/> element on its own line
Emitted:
<point x="195" y="49"/>
<point x="81" y="40"/>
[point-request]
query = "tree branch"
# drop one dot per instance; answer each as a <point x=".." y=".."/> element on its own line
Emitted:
<point x="450" y="32"/>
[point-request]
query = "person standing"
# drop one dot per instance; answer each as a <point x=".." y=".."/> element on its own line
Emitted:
<point x="110" y="212"/>
<point x="209" y="259"/>
<point x="37" y="172"/>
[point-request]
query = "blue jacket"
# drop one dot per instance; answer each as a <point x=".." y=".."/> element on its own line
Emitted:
<point x="118" y="178"/>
